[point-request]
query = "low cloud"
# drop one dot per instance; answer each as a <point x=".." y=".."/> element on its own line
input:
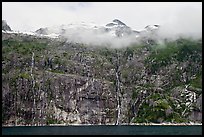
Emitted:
<point x="175" y="18"/>
<point x="98" y="38"/>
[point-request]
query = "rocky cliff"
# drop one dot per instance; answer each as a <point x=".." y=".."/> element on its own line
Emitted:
<point x="50" y="81"/>
<point x="5" y="26"/>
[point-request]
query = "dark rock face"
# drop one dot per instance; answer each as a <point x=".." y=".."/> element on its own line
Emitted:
<point x="196" y="114"/>
<point x="110" y="24"/>
<point x="5" y="26"/>
<point x="119" y="22"/>
<point x="55" y="82"/>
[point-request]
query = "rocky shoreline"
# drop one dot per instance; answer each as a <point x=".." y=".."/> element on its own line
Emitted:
<point x="132" y="124"/>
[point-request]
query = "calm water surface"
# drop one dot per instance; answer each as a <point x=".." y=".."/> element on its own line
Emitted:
<point x="104" y="130"/>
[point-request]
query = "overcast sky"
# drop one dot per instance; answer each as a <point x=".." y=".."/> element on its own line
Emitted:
<point x="182" y="16"/>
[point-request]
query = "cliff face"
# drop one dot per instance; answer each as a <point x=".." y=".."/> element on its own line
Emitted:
<point x="5" y="26"/>
<point x="54" y="82"/>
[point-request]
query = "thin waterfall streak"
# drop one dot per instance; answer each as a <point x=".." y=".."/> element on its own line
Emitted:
<point x="33" y="85"/>
<point x="118" y="91"/>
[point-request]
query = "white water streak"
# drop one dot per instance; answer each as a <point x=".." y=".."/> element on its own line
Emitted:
<point x="33" y="81"/>
<point x="118" y="91"/>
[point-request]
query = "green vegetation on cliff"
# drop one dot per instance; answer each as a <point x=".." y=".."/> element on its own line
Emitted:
<point x="76" y="83"/>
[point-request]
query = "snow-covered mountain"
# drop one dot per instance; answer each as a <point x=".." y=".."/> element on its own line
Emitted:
<point x="116" y="29"/>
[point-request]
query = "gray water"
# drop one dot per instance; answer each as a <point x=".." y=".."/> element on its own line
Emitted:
<point x="104" y="130"/>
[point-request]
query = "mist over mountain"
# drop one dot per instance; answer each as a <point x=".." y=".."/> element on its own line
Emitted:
<point x="176" y="18"/>
<point x="115" y="33"/>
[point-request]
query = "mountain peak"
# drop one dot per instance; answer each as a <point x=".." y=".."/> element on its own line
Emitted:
<point x="152" y="27"/>
<point x="116" y="23"/>
<point x="119" y="22"/>
<point x="5" y="26"/>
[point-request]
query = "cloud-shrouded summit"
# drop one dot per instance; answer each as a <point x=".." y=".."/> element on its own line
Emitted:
<point x="176" y="19"/>
<point x="115" y="33"/>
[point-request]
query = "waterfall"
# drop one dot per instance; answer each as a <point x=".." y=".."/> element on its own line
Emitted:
<point x="118" y="89"/>
<point x="33" y="84"/>
<point x="40" y="111"/>
<point x="32" y="64"/>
